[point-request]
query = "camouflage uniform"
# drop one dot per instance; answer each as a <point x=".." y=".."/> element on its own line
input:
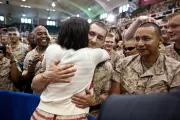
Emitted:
<point x="19" y="53"/>
<point x="135" y="78"/>
<point x="114" y="58"/>
<point x="30" y="56"/>
<point x="121" y="54"/>
<point x="5" y="69"/>
<point x="170" y="52"/>
<point x="102" y="77"/>
<point x="101" y="83"/>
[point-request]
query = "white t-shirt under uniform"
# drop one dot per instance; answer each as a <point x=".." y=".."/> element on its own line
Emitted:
<point x="56" y="98"/>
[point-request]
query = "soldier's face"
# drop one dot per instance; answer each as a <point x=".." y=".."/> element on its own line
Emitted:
<point x="5" y="40"/>
<point x="14" y="36"/>
<point x="174" y="29"/>
<point x="41" y="37"/>
<point x="96" y="36"/>
<point x="147" y="42"/>
<point x="130" y="47"/>
<point x="164" y="27"/>
<point x="109" y="43"/>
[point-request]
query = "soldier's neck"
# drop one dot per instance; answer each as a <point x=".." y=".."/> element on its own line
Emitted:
<point x="41" y="49"/>
<point x="14" y="45"/>
<point x="149" y="61"/>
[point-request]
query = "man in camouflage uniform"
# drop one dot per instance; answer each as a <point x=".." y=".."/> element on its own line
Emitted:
<point x="32" y="61"/>
<point x="102" y="76"/>
<point x="18" y="49"/>
<point x="148" y="72"/>
<point x="109" y="45"/>
<point x="9" y="72"/>
<point x="173" y="50"/>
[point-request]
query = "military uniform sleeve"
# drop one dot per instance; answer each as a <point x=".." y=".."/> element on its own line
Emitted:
<point x="176" y="80"/>
<point x="102" y="75"/>
<point x="117" y="71"/>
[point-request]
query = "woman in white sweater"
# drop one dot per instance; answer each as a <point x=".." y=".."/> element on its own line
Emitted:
<point x="71" y="48"/>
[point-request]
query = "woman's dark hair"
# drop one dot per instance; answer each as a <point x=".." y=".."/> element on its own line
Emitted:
<point x="73" y="33"/>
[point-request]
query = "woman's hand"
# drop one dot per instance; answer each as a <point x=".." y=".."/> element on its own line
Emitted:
<point x="60" y="73"/>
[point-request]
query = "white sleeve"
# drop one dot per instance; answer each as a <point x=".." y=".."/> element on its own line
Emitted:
<point x="49" y="55"/>
<point x="100" y="55"/>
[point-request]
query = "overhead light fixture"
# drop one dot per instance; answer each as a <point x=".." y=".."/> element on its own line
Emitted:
<point x="25" y="6"/>
<point x="23" y="15"/>
<point x="53" y="4"/>
<point x="77" y="15"/>
<point x="68" y="17"/>
<point x="89" y="20"/>
<point x="108" y="0"/>
<point x="51" y="10"/>
<point x="89" y="9"/>
<point x="23" y="0"/>
<point x="110" y="18"/>
<point x="1" y="18"/>
<point x="49" y="18"/>
<point x="1" y="2"/>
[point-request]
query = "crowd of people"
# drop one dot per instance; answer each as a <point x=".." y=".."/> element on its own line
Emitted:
<point x="157" y="11"/>
<point x="87" y="63"/>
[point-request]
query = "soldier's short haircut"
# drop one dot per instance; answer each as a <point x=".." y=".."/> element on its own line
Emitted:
<point x="154" y="25"/>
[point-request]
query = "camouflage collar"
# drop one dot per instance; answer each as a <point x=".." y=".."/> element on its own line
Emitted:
<point x="156" y="69"/>
<point x="4" y="61"/>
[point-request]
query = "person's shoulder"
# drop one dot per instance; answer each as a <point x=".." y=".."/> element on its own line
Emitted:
<point x="128" y="60"/>
<point x="171" y="62"/>
<point x="94" y="50"/>
<point x="115" y="53"/>
<point x="23" y="45"/>
<point x="105" y="66"/>
<point x="32" y="52"/>
<point x="53" y="46"/>
<point x="167" y="49"/>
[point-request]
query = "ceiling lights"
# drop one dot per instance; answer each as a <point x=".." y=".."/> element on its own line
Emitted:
<point x="77" y="15"/>
<point x="26" y="20"/>
<point x="53" y="4"/>
<point x="25" y="6"/>
<point x="89" y="9"/>
<point x="110" y="18"/>
<point x="23" y="0"/>
<point x="1" y="2"/>
<point x="89" y="20"/>
<point x="23" y="15"/>
<point x="51" y="10"/>
<point x="1" y="18"/>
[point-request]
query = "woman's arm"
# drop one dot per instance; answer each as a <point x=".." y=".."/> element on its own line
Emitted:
<point x="55" y="74"/>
